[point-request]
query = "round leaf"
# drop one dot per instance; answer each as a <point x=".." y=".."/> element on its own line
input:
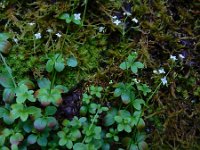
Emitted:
<point x="80" y="146"/>
<point x="32" y="138"/>
<point x="72" y="62"/>
<point x="40" y="123"/>
<point x="50" y="110"/>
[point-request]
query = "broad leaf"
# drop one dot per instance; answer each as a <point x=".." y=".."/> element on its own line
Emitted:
<point x="42" y="141"/>
<point x="72" y="62"/>
<point x="32" y="138"/>
<point x="50" y="65"/>
<point x="44" y="83"/>
<point x="6" y="81"/>
<point x="124" y="65"/>
<point x="8" y="95"/>
<point x="50" y="110"/>
<point x="16" y="138"/>
<point x="80" y="146"/>
<point x="59" y="66"/>
<point x="4" y="36"/>
<point x="40" y="123"/>
<point x="23" y="94"/>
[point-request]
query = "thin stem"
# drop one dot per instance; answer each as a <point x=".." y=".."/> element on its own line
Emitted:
<point x="92" y="123"/>
<point x="84" y="12"/>
<point x="53" y="80"/>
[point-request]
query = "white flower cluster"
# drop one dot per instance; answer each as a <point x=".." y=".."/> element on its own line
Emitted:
<point x="173" y="58"/>
<point x="116" y="21"/>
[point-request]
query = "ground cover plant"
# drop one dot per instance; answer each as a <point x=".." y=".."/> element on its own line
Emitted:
<point x="89" y="75"/>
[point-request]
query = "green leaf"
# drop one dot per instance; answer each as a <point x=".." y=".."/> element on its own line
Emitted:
<point x="23" y="116"/>
<point x="80" y="146"/>
<point x="42" y="141"/>
<point x="2" y="140"/>
<point x="137" y="103"/>
<point x="16" y="138"/>
<point x="72" y="62"/>
<point x="8" y="119"/>
<point x="109" y="118"/>
<point x="51" y="122"/>
<point x="69" y="144"/>
<point x="62" y="141"/>
<point x="50" y="110"/>
<point x="127" y="128"/>
<point x="50" y="65"/>
<point x="6" y="81"/>
<point x="32" y="138"/>
<point x="117" y="92"/>
<point x="139" y="65"/>
<point x="124" y="113"/>
<point x="2" y="111"/>
<point x="62" y="88"/>
<point x="40" y="124"/>
<point x="59" y="66"/>
<point x="17" y="109"/>
<point x="61" y="134"/>
<point x="28" y="126"/>
<point x="66" y="17"/>
<point x="6" y="132"/>
<point x="34" y="111"/>
<point x="44" y="83"/>
<point x="76" y="133"/>
<point x="5" y="47"/>
<point x="120" y="127"/>
<point x="78" y="22"/>
<point x="118" y="119"/>
<point x="124" y="65"/>
<point x="132" y="57"/>
<point x="28" y="83"/>
<point x="4" y="36"/>
<point x="125" y="97"/>
<point x="8" y="95"/>
<point x="134" y="69"/>
<point x="23" y="94"/>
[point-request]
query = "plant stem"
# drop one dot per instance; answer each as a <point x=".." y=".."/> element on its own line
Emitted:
<point x="53" y="80"/>
<point x="92" y="123"/>
<point x="84" y="12"/>
<point x="8" y="70"/>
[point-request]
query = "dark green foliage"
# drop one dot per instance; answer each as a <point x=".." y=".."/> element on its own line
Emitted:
<point x="134" y="63"/>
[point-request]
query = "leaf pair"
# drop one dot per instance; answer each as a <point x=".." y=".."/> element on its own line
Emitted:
<point x="70" y="18"/>
<point x="125" y="91"/>
<point x="57" y="63"/>
<point x="131" y="63"/>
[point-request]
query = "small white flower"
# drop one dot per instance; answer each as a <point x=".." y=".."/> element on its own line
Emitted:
<point x="77" y="16"/>
<point x="114" y="17"/>
<point x="49" y="30"/>
<point x="164" y="81"/>
<point x="135" y="20"/>
<point x="58" y="35"/>
<point x="117" y="22"/>
<point x="102" y="29"/>
<point x="136" y="80"/>
<point x="38" y="36"/>
<point x="31" y="23"/>
<point x="155" y="72"/>
<point x="126" y="13"/>
<point x="111" y="82"/>
<point x="181" y="56"/>
<point x="173" y="58"/>
<point x="15" y="40"/>
<point x="161" y="71"/>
